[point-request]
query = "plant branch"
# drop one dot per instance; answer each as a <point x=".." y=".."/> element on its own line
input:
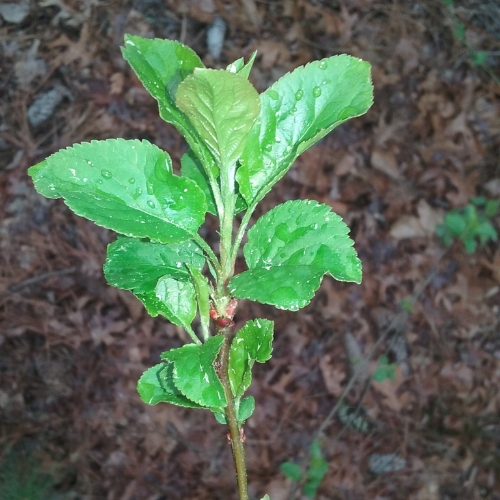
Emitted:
<point x="232" y="420"/>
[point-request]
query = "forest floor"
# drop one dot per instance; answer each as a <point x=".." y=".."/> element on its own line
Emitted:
<point x="421" y="421"/>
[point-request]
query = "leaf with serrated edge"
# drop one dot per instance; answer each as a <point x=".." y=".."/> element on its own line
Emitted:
<point x="137" y="265"/>
<point x="127" y="186"/>
<point x="176" y="300"/>
<point x="192" y="168"/>
<point x="156" y="385"/>
<point x="289" y="250"/>
<point x="194" y="374"/>
<point x="252" y="343"/>
<point x="298" y="110"/>
<point x="161" y="65"/>
<point x="222" y="108"/>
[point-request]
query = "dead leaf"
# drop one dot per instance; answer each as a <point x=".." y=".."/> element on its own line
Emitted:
<point x="408" y="54"/>
<point x="406" y="227"/>
<point x="332" y="376"/>
<point x="385" y="162"/>
<point x="428" y="217"/>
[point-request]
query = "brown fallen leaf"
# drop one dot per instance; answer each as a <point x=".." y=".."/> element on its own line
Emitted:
<point x="407" y="226"/>
<point x="385" y="162"/>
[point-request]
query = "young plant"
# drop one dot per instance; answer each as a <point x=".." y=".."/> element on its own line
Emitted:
<point x="311" y="478"/>
<point x="240" y="144"/>
<point x="470" y="224"/>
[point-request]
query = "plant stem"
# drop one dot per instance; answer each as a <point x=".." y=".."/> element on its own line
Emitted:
<point x="232" y="420"/>
<point x="240" y="234"/>
<point x="210" y="253"/>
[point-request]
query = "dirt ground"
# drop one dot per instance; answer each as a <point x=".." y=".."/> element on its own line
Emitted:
<point x="72" y="348"/>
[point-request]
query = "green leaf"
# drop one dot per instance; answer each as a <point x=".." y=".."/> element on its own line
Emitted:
<point x="176" y="300"/>
<point x="127" y="186"/>
<point x="485" y="231"/>
<point x="161" y="65"/>
<point x="252" y="343"/>
<point x="297" y="111"/>
<point x="266" y="497"/>
<point x="316" y="471"/>
<point x="291" y="470"/>
<point x="202" y="295"/>
<point x="479" y="201"/>
<point x="194" y="374"/>
<point x="192" y="168"/>
<point x="455" y="222"/>
<point x="459" y="31"/>
<point x="491" y="208"/>
<point x="247" y="407"/>
<point x="239" y="67"/>
<point x="289" y="250"/>
<point x="220" y="417"/>
<point x="384" y="370"/>
<point x="222" y="108"/>
<point x="245" y="410"/>
<point x="470" y="244"/>
<point x="479" y="58"/>
<point x="137" y="265"/>
<point x="156" y="385"/>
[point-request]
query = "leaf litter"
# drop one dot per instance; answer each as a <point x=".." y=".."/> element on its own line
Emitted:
<point x="72" y="348"/>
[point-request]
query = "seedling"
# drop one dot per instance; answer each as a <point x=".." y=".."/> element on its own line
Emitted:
<point x="478" y="58"/>
<point x="240" y="144"/>
<point x="470" y="224"/>
<point x="311" y="478"/>
<point x="384" y="370"/>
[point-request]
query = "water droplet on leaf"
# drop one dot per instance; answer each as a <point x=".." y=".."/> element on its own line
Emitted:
<point x="268" y="147"/>
<point x="299" y="94"/>
<point x="316" y="91"/>
<point x="273" y="94"/>
<point x="151" y="204"/>
<point x="149" y="188"/>
<point x="106" y="174"/>
<point x="131" y="180"/>
<point x="322" y="65"/>
<point x="138" y="191"/>
<point x="99" y="181"/>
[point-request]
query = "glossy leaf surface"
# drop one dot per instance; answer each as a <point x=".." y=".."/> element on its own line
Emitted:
<point x="127" y="186"/>
<point x="137" y="265"/>
<point x="156" y="385"/>
<point x="161" y="65"/>
<point x="194" y="374"/>
<point x="222" y="107"/>
<point x="173" y="299"/>
<point x="298" y="110"/>
<point x="192" y="168"/>
<point x="289" y="250"/>
<point x="252" y="343"/>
